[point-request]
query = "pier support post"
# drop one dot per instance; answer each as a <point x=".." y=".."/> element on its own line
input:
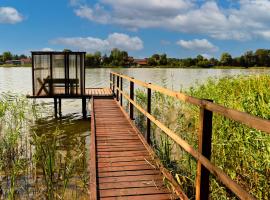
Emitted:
<point x="148" y="122"/>
<point x="84" y="112"/>
<point x="55" y="107"/>
<point x="60" y="107"/>
<point x="205" y="137"/>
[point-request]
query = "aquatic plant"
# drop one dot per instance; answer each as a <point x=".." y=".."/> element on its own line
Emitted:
<point x="30" y="144"/>
<point x="243" y="153"/>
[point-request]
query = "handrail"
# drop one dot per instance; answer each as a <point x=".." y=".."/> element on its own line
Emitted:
<point x="247" y="119"/>
<point x="199" y="156"/>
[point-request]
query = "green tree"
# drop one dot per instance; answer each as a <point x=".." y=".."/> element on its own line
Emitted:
<point x="67" y="50"/>
<point x="250" y="59"/>
<point x="151" y="61"/>
<point x="262" y="57"/>
<point x="163" y="59"/>
<point x="6" y="56"/>
<point x="226" y="59"/>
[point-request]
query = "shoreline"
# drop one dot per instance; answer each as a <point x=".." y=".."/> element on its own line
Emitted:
<point x="150" y="67"/>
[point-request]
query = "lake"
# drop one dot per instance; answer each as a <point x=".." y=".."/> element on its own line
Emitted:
<point x="18" y="79"/>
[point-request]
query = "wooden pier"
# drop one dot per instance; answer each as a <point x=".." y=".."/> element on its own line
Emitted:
<point x="122" y="162"/>
<point x="121" y="165"/>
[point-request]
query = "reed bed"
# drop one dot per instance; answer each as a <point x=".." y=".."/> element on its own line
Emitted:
<point x="243" y="153"/>
<point x="38" y="160"/>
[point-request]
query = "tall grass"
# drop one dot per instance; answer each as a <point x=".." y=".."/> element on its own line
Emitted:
<point x="37" y="159"/>
<point x="243" y="153"/>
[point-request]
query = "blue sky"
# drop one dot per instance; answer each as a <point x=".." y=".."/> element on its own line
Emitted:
<point x="180" y="28"/>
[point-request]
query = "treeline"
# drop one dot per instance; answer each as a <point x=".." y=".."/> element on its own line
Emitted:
<point x="119" y="58"/>
<point x="116" y="58"/>
<point x="5" y="56"/>
<point x="260" y="58"/>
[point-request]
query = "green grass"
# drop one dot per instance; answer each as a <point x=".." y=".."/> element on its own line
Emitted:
<point x="12" y="65"/>
<point x="243" y="153"/>
<point x="37" y="160"/>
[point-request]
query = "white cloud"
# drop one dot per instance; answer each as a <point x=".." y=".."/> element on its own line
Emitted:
<point x="249" y="19"/>
<point x="199" y="45"/>
<point x="9" y="15"/>
<point x="47" y="49"/>
<point x="91" y="44"/>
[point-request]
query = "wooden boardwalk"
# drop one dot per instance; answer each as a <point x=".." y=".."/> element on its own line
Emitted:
<point x="121" y="166"/>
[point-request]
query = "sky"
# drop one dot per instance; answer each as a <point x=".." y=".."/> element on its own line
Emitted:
<point x="179" y="28"/>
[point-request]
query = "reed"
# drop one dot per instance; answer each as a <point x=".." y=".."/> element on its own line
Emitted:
<point x="37" y="159"/>
<point x="243" y="153"/>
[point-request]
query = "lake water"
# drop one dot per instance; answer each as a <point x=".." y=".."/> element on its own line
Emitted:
<point x="18" y="80"/>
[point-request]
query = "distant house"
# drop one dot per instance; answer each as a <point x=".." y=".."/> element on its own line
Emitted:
<point x="13" y="62"/>
<point x="140" y="62"/>
<point x="25" y="61"/>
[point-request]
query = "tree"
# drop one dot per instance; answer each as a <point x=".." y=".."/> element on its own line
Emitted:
<point x="6" y="56"/>
<point x="163" y="59"/>
<point x="262" y="57"/>
<point x="250" y="59"/>
<point x="151" y="61"/>
<point x="213" y="61"/>
<point x="67" y="50"/>
<point x="226" y="59"/>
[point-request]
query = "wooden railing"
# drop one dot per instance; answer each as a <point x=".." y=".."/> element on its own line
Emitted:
<point x="207" y="108"/>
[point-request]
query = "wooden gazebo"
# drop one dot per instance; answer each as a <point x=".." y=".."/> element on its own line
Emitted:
<point x="61" y="75"/>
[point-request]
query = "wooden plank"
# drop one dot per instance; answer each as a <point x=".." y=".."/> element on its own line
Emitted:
<point x="132" y="191"/>
<point x="141" y="197"/>
<point x="129" y="184"/>
<point x="125" y="168"/>
<point x="128" y="173"/>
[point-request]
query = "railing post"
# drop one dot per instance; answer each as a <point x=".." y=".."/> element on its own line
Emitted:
<point x="131" y="96"/>
<point x="117" y="88"/>
<point x="113" y="84"/>
<point x="148" y="122"/>
<point x="204" y="137"/>
<point x="121" y="89"/>
<point x="111" y="81"/>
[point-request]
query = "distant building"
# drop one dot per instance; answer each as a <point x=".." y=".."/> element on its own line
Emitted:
<point x="25" y="61"/>
<point x="13" y="62"/>
<point x="140" y="62"/>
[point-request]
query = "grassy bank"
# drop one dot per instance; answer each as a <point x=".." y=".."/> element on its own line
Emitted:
<point x="11" y="65"/>
<point x="243" y="153"/>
